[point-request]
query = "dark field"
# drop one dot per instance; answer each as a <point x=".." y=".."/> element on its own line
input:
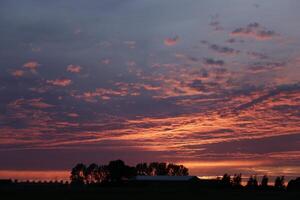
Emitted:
<point x="182" y="192"/>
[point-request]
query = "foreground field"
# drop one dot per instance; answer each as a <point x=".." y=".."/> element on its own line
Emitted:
<point x="144" y="192"/>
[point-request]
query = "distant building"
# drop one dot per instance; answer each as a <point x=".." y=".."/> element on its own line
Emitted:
<point x="165" y="179"/>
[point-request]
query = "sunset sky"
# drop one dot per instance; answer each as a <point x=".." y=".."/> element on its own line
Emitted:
<point x="211" y="84"/>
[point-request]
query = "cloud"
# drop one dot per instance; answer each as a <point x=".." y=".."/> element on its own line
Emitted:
<point x="17" y="73"/>
<point x="215" y="23"/>
<point x="198" y="84"/>
<point x="265" y="34"/>
<point x="73" y="115"/>
<point x="264" y="96"/>
<point x="101" y="93"/>
<point x="63" y="82"/>
<point x="213" y="62"/>
<point x="74" y="68"/>
<point x="254" y="30"/>
<point x="32" y="65"/>
<point x="233" y="40"/>
<point x="171" y="41"/>
<point x="186" y="58"/>
<point x="38" y="103"/>
<point x="257" y="55"/>
<point x="120" y="89"/>
<point x="131" y="63"/>
<point x="260" y="67"/>
<point x="223" y="50"/>
<point x="35" y="103"/>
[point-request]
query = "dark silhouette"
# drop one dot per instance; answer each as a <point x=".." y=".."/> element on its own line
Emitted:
<point x="294" y="185"/>
<point x="237" y="180"/>
<point x="161" y="169"/>
<point x="158" y="169"/>
<point x="118" y="171"/>
<point x="103" y="174"/>
<point x="226" y="180"/>
<point x="92" y="175"/>
<point x="78" y="174"/>
<point x="264" y="181"/>
<point x="142" y="169"/>
<point x="279" y="182"/>
<point x="252" y="182"/>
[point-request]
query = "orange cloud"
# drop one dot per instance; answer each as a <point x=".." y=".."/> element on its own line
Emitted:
<point x="254" y="30"/>
<point x="32" y="65"/>
<point x="60" y="82"/>
<point x="17" y="73"/>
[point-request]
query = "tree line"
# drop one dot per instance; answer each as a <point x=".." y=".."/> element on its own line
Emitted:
<point x="117" y="170"/>
<point x="236" y="181"/>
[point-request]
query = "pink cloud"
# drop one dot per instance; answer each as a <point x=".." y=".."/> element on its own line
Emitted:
<point x="38" y="103"/>
<point x="171" y="41"/>
<point x="32" y="65"/>
<point x="73" y="115"/>
<point x="63" y="82"/>
<point x="74" y="68"/>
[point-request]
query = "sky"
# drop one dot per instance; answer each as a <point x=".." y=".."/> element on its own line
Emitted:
<point x="211" y="84"/>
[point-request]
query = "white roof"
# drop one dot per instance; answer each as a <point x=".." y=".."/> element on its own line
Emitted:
<point x="164" y="178"/>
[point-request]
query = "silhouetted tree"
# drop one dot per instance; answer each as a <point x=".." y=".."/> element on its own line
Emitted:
<point x="264" y="181"/>
<point x="252" y="182"/>
<point x="116" y="170"/>
<point x="279" y="182"/>
<point x="237" y="180"/>
<point x="183" y="171"/>
<point x="173" y="170"/>
<point x="226" y="180"/>
<point x="78" y="174"/>
<point x="162" y="169"/>
<point x="103" y="174"/>
<point x="91" y="175"/>
<point x="153" y="168"/>
<point x="142" y="169"/>
<point x="294" y="185"/>
<point x="129" y="172"/>
<point x="119" y="171"/>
